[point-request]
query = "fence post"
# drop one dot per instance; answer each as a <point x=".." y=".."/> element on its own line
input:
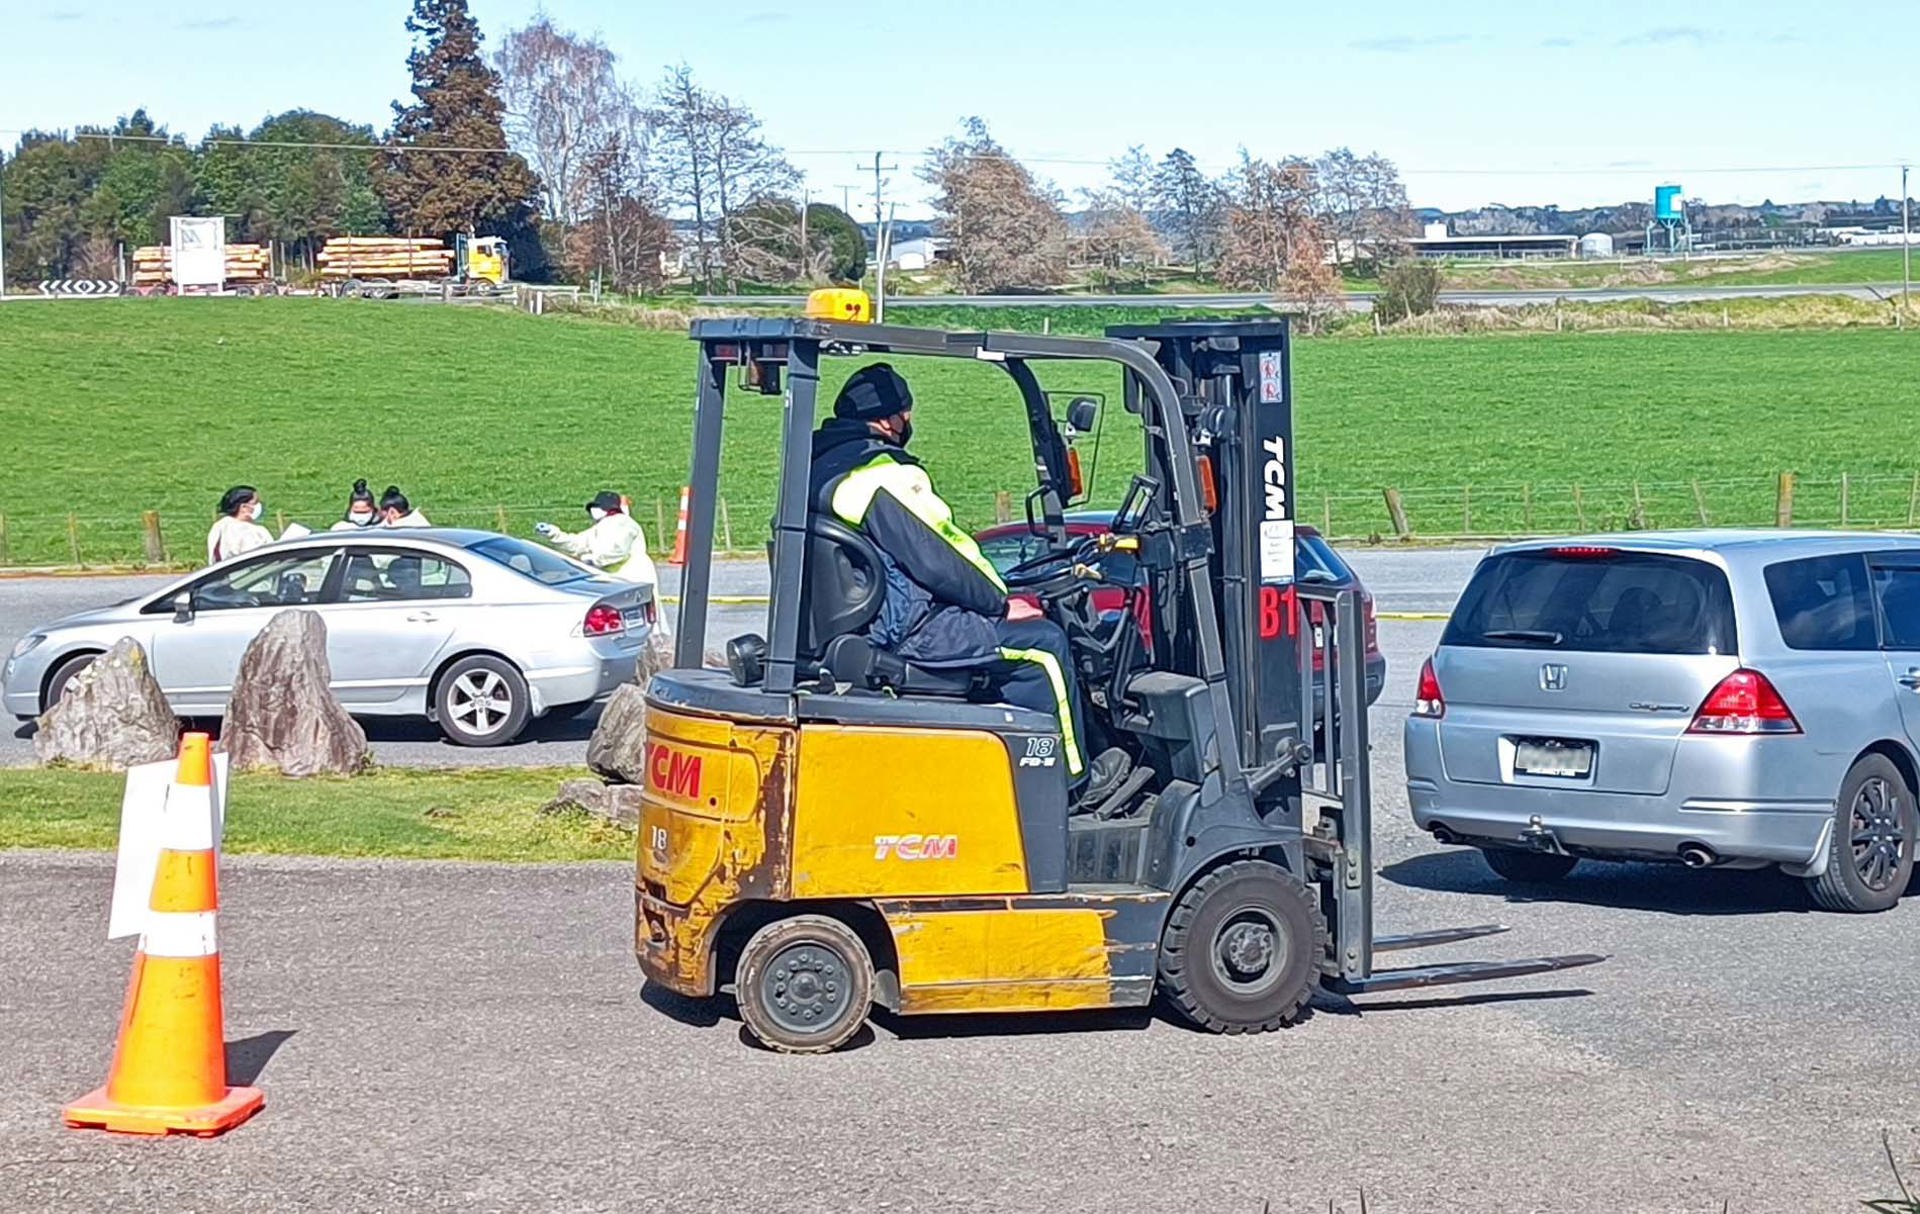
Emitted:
<point x="1845" y="488"/>
<point x="6" y="557"/>
<point x="659" y="522"/>
<point x="1397" y="511"/>
<point x="726" y="526"/>
<point x="1639" y="521"/>
<point x="1579" y="507"/>
<point x="1326" y="513"/>
<point x="73" y="538"/>
<point x="500" y="519"/>
<point x="1700" y="504"/>
<point x="1913" y="507"/>
<point x="150" y="534"/>
<point x="280" y="521"/>
<point x="1002" y="506"/>
<point x="1783" y="510"/>
<point x="1526" y="507"/>
<point x="1466" y="510"/>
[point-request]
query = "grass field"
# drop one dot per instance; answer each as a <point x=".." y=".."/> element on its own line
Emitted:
<point x="478" y="814"/>
<point x="117" y="407"/>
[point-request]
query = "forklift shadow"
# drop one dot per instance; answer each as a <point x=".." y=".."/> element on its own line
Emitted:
<point x="1664" y="888"/>
<point x="1012" y="1024"/>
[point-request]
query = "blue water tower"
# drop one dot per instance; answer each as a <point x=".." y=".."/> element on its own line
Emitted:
<point x="1666" y="204"/>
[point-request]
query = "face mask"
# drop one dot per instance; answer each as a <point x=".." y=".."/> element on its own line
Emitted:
<point x="596" y="513"/>
<point x="360" y="520"/>
<point x="259" y="510"/>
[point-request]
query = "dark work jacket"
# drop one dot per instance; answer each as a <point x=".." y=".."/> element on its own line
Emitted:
<point x="943" y="601"/>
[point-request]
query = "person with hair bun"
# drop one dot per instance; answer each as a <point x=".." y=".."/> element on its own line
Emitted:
<point x="397" y="511"/>
<point x="237" y="528"/>
<point x="360" y="509"/>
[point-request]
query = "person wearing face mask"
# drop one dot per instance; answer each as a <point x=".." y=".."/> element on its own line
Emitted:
<point x="238" y="528"/>
<point x="945" y="606"/>
<point x="360" y="509"/>
<point x="396" y="511"/>
<point x="613" y="542"/>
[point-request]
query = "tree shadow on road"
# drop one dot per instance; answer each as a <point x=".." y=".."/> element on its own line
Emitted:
<point x="1666" y="888"/>
<point x="248" y="1056"/>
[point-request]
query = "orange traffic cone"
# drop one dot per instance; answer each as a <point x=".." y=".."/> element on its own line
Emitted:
<point x="679" y="556"/>
<point x="169" y="1073"/>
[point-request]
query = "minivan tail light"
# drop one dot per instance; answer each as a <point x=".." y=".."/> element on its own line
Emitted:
<point x="1583" y="552"/>
<point x="1744" y="702"/>
<point x="603" y="620"/>
<point x="1427" y="701"/>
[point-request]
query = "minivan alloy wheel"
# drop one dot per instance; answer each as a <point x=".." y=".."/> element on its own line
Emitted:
<point x="1878" y="835"/>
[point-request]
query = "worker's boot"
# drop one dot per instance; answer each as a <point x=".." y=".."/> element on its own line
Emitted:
<point x="1105" y="774"/>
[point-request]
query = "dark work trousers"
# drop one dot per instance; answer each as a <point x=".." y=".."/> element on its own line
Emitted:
<point x="1035" y="671"/>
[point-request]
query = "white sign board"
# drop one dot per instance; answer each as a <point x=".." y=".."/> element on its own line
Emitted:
<point x="143" y="813"/>
<point x="199" y="251"/>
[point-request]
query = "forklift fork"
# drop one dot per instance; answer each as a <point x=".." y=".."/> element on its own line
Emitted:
<point x="1338" y="777"/>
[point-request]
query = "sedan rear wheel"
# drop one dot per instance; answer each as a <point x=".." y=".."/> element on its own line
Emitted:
<point x="481" y="701"/>
<point x="1870" y="859"/>
<point x="64" y="675"/>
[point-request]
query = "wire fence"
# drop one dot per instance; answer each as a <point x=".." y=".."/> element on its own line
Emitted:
<point x="1384" y="515"/>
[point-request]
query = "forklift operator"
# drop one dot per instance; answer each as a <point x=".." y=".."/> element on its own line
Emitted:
<point x="945" y="606"/>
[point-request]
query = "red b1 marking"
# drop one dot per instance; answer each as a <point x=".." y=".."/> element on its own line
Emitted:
<point x="1278" y="611"/>
<point x="673" y="771"/>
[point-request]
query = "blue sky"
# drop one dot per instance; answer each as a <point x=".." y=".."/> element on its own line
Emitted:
<point x="1496" y="101"/>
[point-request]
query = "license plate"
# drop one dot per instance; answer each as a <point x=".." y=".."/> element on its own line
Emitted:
<point x="1551" y="757"/>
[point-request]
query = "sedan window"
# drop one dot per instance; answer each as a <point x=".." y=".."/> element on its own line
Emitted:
<point x="543" y="565"/>
<point x="394" y="576"/>
<point x="293" y="579"/>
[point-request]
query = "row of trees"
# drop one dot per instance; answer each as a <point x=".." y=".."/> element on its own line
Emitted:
<point x="593" y="176"/>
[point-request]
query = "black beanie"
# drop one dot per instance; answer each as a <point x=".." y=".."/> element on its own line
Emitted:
<point x="873" y="392"/>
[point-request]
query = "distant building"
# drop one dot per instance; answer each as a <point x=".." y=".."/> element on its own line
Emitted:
<point x="1436" y="243"/>
<point x="1596" y="244"/>
<point x="919" y="253"/>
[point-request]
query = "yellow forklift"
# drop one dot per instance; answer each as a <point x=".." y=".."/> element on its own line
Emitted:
<point x="826" y="827"/>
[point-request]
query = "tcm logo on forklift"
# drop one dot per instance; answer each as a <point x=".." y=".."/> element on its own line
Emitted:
<point x="672" y="771"/>
<point x="916" y="847"/>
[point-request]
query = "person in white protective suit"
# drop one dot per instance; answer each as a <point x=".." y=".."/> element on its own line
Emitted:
<point x="238" y="529"/>
<point x="614" y="542"/>
<point x="361" y="512"/>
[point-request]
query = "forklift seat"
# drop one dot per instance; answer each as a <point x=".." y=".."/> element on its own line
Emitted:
<point x="840" y="595"/>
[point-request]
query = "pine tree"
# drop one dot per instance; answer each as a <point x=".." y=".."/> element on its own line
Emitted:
<point x="456" y="105"/>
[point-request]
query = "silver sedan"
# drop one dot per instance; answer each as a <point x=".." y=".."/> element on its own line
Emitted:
<point x="477" y="632"/>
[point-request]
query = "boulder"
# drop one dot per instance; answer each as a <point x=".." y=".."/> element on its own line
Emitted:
<point x="617" y="750"/>
<point x="282" y="713"/>
<point x="113" y="715"/>
<point x="618" y="804"/>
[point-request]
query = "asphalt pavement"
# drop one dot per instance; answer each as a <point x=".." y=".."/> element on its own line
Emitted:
<point x="1403" y="581"/>
<point x="437" y="1036"/>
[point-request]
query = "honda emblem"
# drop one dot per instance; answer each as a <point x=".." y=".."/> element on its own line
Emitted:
<point x="1553" y="677"/>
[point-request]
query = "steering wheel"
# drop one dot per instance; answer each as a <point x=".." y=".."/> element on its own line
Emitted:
<point x="1057" y="573"/>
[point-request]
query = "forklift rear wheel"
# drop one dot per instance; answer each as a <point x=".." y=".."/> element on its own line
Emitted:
<point x="804" y="984"/>
<point x="1241" y="949"/>
<point x="1528" y="867"/>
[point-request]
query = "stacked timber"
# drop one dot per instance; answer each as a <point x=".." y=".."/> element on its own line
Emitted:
<point x="385" y="257"/>
<point x="247" y="265"/>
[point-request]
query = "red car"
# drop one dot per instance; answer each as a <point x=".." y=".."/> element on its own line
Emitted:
<point x="1008" y="544"/>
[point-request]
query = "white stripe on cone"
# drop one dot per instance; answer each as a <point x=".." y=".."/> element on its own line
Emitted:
<point x="180" y="934"/>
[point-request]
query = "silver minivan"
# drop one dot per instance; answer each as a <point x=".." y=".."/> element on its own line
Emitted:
<point x="1737" y="698"/>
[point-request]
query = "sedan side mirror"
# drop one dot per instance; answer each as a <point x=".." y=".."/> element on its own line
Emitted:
<point x="183" y="607"/>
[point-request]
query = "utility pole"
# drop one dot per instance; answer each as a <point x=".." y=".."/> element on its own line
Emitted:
<point x="879" y="185"/>
<point x="806" y="203"/>
<point x="1906" y="245"/>
<point x="3" y="233"/>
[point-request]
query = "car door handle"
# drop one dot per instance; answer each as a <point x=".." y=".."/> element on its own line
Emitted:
<point x="422" y="617"/>
<point x="1911" y="679"/>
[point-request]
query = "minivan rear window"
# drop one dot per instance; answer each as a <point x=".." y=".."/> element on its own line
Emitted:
<point x="1595" y="600"/>
<point x="1823" y="602"/>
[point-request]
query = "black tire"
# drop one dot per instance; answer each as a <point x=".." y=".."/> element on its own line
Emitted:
<point x="1242" y="949"/>
<point x="1870" y="859"/>
<point x="804" y="985"/>
<point x="1528" y="867"/>
<point x="62" y="675"/>
<point x="481" y="701"/>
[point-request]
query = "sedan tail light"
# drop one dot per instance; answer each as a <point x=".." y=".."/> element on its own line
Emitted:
<point x="1744" y="703"/>
<point x="1427" y="701"/>
<point x="603" y="620"/>
<point x="1373" y="623"/>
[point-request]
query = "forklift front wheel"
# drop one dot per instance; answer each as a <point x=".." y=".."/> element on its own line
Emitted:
<point x="804" y="984"/>
<point x="1242" y="948"/>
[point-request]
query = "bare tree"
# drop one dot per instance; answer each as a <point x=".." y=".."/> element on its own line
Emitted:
<point x="621" y="232"/>
<point x="713" y="162"/>
<point x="1362" y="206"/>
<point x="566" y="106"/>
<point x="1115" y="237"/>
<point x="1004" y="227"/>
<point x="1272" y="241"/>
